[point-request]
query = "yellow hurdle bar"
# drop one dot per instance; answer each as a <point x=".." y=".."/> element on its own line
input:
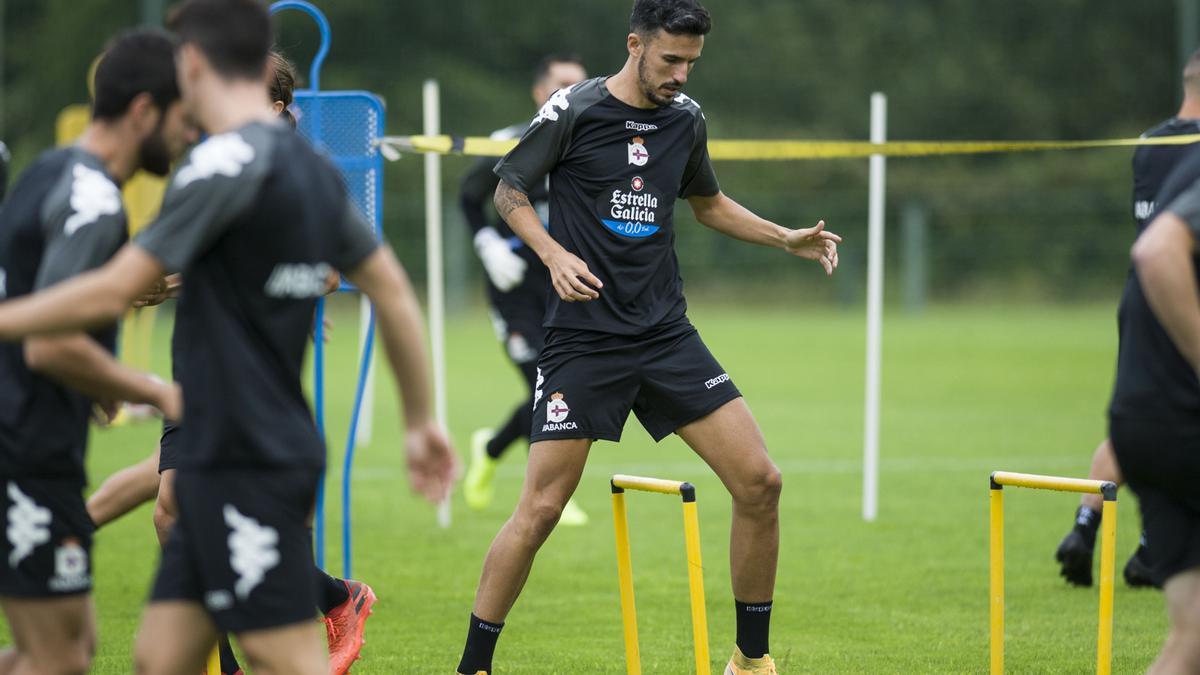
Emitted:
<point x="691" y="532"/>
<point x="1108" y="552"/>
<point x="214" y="662"/>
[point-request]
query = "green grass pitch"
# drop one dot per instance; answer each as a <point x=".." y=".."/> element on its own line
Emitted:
<point x="966" y="390"/>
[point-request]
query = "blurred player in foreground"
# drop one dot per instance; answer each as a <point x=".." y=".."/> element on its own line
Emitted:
<point x="518" y="286"/>
<point x="256" y="220"/>
<point x="1154" y="416"/>
<point x="620" y="151"/>
<point x="1151" y="166"/>
<point x="63" y="218"/>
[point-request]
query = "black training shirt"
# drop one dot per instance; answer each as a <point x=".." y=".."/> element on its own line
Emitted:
<point x="256" y="220"/>
<point x="1153" y="163"/>
<point x="1154" y="380"/>
<point x="64" y="217"/>
<point x="615" y="173"/>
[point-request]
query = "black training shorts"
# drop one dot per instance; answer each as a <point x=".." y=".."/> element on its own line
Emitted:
<point x="1161" y="462"/>
<point x="589" y="381"/>
<point x="48" y="539"/>
<point x="168" y="447"/>
<point x="241" y="547"/>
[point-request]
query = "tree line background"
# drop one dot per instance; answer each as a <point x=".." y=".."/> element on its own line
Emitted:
<point x="1053" y="226"/>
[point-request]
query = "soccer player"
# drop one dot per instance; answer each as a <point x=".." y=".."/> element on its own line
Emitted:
<point x="255" y="220"/>
<point x="518" y="287"/>
<point x="1151" y="166"/>
<point x="1154" y="416"/>
<point x="619" y="151"/>
<point x="65" y="217"/>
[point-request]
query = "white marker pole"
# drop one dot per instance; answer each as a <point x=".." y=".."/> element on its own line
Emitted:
<point x="875" y="223"/>
<point x="433" y="260"/>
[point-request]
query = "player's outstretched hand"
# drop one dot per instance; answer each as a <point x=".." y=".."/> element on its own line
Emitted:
<point x="814" y="243"/>
<point x="572" y="279"/>
<point x="432" y="462"/>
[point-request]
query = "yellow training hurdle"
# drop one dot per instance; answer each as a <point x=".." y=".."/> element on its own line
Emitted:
<point x="691" y="533"/>
<point x="1108" y="541"/>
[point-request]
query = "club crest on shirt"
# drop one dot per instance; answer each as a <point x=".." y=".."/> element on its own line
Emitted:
<point x="638" y="155"/>
<point x="556" y="414"/>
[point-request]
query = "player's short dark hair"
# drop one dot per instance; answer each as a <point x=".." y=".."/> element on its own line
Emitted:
<point x="677" y="17"/>
<point x="1191" y="72"/>
<point x="282" y="84"/>
<point x="542" y="70"/>
<point x="133" y="63"/>
<point x="234" y="35"/>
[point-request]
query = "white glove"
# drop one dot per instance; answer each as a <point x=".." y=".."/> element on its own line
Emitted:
<point x="505" y="268"/>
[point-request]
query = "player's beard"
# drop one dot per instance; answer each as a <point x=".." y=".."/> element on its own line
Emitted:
<point x="649" y="90"/>
<point x="153" y="155"/>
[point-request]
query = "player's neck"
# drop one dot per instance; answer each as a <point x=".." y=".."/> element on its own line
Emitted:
<point x="1190" y="109"/>
<point x="230" y="105"/>
<point x="115" y="151"/>
<point x="624" y="86"/>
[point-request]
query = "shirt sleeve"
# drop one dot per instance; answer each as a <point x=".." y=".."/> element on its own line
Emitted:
<point x="70" y="251"/>
<point x="699" y="179"/>
<point x="356" y="239"/>
<point x="540" y="148"/>
<point x="1187" y="207"/>
<point x="219" y="181"/>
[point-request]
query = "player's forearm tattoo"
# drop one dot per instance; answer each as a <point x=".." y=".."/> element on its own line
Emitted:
<point x="509" y="199"/>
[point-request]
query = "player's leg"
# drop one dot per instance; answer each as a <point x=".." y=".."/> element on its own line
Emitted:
<point x="1075" y="552"/>
<point x="175" y="638"/>
<point x="287" y="650"/>
<point x="124" y="491"/>
<point x="50" y="635"/>
<point x="1181" y="652"/>
<point x="166" y="511"/>
<point x="345" y="606"/>
<point x="550" y="479"/>
<point x="730" y="442"/>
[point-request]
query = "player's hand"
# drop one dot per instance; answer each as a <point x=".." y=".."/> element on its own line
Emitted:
<point x="162" y="290"/>
<point x="333" y="282"/>
<point x="432" y="463"/>
<point x="104" y="412"/>
<point x="814" y="243"/>
<point x="505" y="268"/>
<point x="170" y="400"/>
<point x="572" y="279"/>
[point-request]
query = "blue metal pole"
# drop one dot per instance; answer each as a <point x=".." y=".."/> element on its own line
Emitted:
<point x="348" y="462"/>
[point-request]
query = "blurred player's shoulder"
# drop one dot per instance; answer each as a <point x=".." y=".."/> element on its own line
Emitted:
<point x="1173" y="127"/>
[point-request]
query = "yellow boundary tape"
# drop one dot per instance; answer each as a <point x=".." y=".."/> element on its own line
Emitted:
<point x="780" y="150"/>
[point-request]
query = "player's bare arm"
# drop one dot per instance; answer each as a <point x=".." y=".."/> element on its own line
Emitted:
<point x="77" y="361"/>
<point x="572" y="279"/>
<point x="432" y="463"/>
<point x="1162" y="257"/>
<point x="730" y="218"/>
<point x="93" y="299"/>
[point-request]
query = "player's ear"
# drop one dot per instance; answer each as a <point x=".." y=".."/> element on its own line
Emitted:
<point x="634" y="44"/>
<point x="144" y="113"/>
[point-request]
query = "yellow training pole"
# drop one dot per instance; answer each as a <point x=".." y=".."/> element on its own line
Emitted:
<point x="691" y="533"/>
<point x="1108" y="564"/>
<point x="996" y="566"/>
<point x="214" y="662"/>
<point x="633" y="659"/>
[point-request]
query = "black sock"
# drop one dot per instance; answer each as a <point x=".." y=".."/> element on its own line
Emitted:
<point x="331" y="591"/>
<point x="515" y="428"/>
<point x="753" y="628"/>
<point x="1087" y="523"/>
<point x="229" y="664"/>
<point x="481" y="643"/>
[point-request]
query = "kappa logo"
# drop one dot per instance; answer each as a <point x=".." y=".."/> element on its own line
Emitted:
<point x="638" y="155"/>
<point x="28" y="525"/>
<point x="549" y="111"/>
<point x="537" y="389"/>
<point x="720" y="379"/>
<point x="253" y="549"/>
<point x="92" y="195"/>
<point x="225" y="155"/>
<point x="70" y="567"/>
<point x="1143" y="209"/>
<point x="640" y="127"/>
<point x="557" y="409"/>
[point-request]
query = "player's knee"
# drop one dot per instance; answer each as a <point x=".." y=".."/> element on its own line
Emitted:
<point x="74" y="658"/>
<point x="540" y="517"/>
<point x="762" y="489"/>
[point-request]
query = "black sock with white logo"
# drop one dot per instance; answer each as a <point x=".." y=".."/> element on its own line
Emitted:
<point x="753" y="628"/>
<point x="1087" y="522"/>
<point x="481" y="644"/>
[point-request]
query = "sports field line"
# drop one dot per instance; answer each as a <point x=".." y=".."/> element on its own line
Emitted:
<point x="516" y="468"/>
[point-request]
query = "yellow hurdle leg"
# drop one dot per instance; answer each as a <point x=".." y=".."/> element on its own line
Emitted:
<point x="1108" y="564"/>
<point x="691" y="533"/>
<point x="633" y="659"/>
<point x="214" y="662"/>
<point x="996" y="533"/>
